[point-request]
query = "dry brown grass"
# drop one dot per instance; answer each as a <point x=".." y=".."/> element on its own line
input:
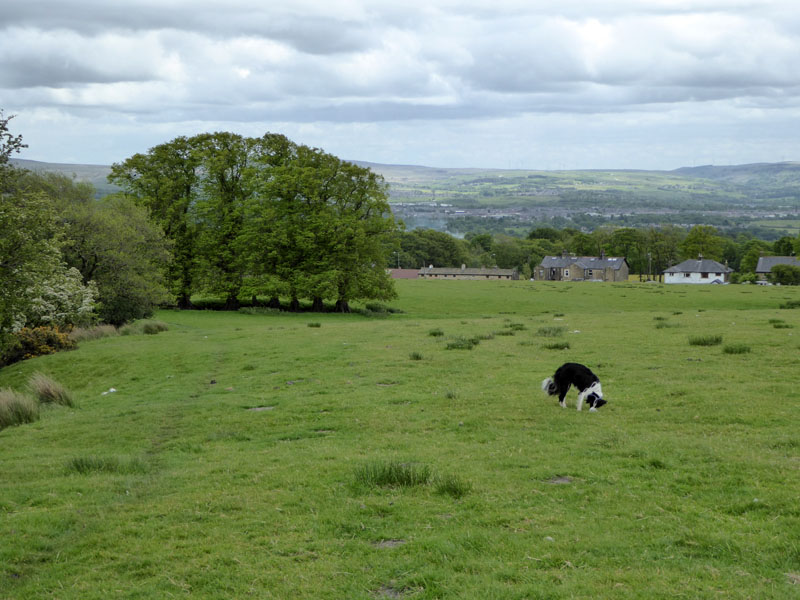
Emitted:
<point x="48" y="390"/>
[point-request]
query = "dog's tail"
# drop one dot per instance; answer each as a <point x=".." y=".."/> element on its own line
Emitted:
<point x="549" y="387"/>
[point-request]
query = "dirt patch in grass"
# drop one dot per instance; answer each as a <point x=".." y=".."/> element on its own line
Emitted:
<point x="389" y="543"/>
<point x="560" y="480"/>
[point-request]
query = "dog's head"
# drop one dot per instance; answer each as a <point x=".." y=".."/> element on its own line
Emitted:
<point x="595" y="400"/>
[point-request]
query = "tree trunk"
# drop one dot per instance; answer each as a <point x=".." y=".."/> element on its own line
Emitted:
<point x="294" y="305"/>
<point x="231" y="303"/>
<point x="318" y="305"/>
<point x="274" y="302"/>
<point x="342" y="306"/>
<point x="184" y="302"/>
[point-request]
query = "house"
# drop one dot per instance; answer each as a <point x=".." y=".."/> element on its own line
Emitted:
<point x="699" y="270"/>
<point x="432" y="272"/>
<point x="765" y="264"/>
<point x="579" y="268"/>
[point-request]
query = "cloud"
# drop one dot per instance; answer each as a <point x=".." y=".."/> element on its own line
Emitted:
<point x="422" y="65"/>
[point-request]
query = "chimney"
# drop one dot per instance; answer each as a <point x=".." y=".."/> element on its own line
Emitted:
<point x="602" y="254"/>
<point x="463" y="266"/>
<point x="700" y="256"/>
<point x="564" y="253"/>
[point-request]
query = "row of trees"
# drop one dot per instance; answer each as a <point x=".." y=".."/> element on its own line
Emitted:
<point x="265" y="217"/>
<point x="649" y="251"/>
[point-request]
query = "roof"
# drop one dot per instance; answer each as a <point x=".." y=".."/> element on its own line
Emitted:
<point x="701" y="265"/>
<point x="765" y="263"/>
<point x="404" y="273"/>
<point x="583" y="262"/>
<point x="465" y="271"/>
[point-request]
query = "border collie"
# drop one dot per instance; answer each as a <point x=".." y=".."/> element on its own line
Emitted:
<point x="587" y="383"/>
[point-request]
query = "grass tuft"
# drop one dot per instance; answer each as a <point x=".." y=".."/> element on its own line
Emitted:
<point x="86" y="465"/>
<point x="147" y="326"/>
<point x="392" y="474"/>
<point x="550" y="331"/>
<point x="415" y="356"/>
<point x="462" y="343"/>
<point x="49" y="391"/>
<point x="557" y="346"/>
<point x="452" y="485"/>
<point x="315" y="324"/>
<point x="17" y="408"/>
<point x="436" y="332"/>
<point x="87" y="334"/>
<point x="736" y="349"/>
<point x="705" y="340"/>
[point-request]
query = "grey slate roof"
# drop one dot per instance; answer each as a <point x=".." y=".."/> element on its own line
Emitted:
<point x="703" y="265"/>
<point x="584" y="262"/>
<point x="765" y="263"/>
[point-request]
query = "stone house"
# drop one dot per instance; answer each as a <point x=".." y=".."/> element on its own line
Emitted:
<point x="765" y="264"/>
<point x="582" y="268"/>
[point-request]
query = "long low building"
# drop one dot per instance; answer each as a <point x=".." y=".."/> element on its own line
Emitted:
<point x="765" y="264"/>
<point x="464" y="272"/>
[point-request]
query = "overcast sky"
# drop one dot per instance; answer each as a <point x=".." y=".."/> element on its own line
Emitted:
<point x="648" y="84"/>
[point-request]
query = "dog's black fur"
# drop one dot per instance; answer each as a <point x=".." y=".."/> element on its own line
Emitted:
<point x="587" y="383"/>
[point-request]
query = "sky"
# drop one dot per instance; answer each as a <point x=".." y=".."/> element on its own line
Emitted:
<point x="510" y="84"/>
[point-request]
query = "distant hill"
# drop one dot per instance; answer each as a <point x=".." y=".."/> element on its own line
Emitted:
<point x="761" y="198"/>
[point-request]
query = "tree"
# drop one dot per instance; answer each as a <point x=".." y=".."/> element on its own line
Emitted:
<point x="703" y="239"/>
<point x="785" y="275"/>
<point x="113" y="243"/>
<point x="9" y="143"/>
<point x="166" y="182"/>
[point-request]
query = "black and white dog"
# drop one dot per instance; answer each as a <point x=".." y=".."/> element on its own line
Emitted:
<point x="587" y="383"/>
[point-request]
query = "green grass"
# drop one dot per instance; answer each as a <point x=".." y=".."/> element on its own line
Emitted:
<point x="684" y="485"/>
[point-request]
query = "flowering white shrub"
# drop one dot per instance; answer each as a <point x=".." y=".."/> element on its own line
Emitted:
<point x="59" y="300"/>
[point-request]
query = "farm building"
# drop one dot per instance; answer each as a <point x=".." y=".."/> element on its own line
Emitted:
<point x="432" y="272"/>
<point x="699" y="270"/>
<point x="403" y="273"/>
<point x="765" y="264"/>
<point x="578" y="268"/>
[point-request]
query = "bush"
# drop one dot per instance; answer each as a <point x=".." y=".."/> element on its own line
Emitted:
<point x="16" y="408"/>
<point x="705" y="340"/>
<point x="48" y="390"/>
<point x="784" y="275"/>
<point x="35" y="341"/>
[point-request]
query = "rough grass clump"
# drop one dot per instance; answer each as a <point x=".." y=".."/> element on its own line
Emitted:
<point x="392" y="474"/>
<point x="557" y="346"/>
<point x="736" y="349"/>
<point x="791" y="304"/>
<point x="86" y="465"/>
<point x="462" y="343"/>
<point x="452" y="485"/>
<point x="550" y="331"/>
<point x="87" y="334"/>
<point x="705" y="340"/>
<point x="148" y="327"/>
<point x="415" y="356"/>
<point x="436" y="332"/>
<point x="315" y="324"/>
<point x="666" y="325"/>
<point x="16" y="408"/>
<point x="782" y="325"/>
<point x="50" y="391"/>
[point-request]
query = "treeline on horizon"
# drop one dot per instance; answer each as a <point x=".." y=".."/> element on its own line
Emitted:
<point x="649" y="251"/>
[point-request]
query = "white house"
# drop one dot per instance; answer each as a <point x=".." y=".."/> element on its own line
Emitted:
<point x="700" y="270"/>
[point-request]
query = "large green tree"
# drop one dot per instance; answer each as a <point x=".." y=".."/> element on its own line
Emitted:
<point x="166" y="181"/>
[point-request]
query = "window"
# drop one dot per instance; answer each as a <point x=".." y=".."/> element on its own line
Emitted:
<point x="704" y="275"/>
<point x="566" y="272"/>
<point x="687" y="274"/>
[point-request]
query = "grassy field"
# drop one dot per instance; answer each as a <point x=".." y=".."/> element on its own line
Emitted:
<point x="340" y="456"/>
